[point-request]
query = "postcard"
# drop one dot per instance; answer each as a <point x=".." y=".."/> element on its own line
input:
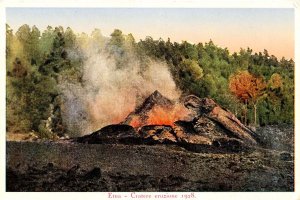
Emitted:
<point x="150" y="101"/>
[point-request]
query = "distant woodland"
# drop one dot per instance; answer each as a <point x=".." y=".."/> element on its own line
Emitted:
<point x="256" y="86"/>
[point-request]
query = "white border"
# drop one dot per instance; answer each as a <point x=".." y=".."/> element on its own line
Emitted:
<point x="154" y="4"/>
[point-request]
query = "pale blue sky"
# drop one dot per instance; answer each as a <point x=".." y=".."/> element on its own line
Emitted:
<point x="258" y="28"/>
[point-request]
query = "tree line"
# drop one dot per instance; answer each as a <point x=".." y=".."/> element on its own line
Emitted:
<point x="256" y="86"/>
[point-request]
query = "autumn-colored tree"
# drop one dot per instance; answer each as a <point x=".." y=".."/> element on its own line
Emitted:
<point x="247" y="88"/>
<point x="275" y="81"/>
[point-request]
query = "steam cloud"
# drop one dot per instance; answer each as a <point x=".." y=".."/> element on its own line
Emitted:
<point x="111" y="89"/>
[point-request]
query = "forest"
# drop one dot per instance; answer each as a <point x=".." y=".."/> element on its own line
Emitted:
<point x="256" y="86"/>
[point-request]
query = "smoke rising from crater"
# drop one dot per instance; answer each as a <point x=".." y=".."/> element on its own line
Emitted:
<point x="113" y="84"/>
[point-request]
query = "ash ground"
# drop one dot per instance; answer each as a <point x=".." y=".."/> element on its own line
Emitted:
<point x="64" y="166"/>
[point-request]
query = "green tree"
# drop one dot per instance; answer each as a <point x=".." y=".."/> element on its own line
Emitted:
<point x="69" y="38"/>
<point x="46" y="42"/>
<point x="189" y="51"/>
<point x="29" y="38"/>
<point x="117" y="39"/>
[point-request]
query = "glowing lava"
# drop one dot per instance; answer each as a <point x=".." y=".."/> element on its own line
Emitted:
<point x="161" y="116"/>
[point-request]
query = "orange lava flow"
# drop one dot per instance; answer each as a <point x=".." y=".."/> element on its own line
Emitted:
<point x="136" y="122"/>
<point x="161" y="116"/>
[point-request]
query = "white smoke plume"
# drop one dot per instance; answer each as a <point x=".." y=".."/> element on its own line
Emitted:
<point x="111" y="90"/>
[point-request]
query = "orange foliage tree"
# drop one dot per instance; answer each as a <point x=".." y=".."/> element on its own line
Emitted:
<point x="248" y="89"/>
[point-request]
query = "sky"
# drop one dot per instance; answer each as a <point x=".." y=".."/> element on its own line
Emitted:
<point x="234" y="28"/>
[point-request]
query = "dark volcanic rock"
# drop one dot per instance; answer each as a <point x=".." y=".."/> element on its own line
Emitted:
<point x="230" y="144"/>
<point x="209" y="128"/>
<point x="208" y="108"/>
<point x="117" y="133"/>
<point x="286" y="156"/>
<point x="279" y="137"/>
<point x="186" y="133"/>
<point x="158" y="134"/>
<point x="141" y="168"/>
<point x="93" y="174"/>
<point x="155" y="99"/>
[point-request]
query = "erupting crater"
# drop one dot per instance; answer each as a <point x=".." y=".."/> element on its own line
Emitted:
<point x="157" y="110"/>
<point x="193" y="123"/>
